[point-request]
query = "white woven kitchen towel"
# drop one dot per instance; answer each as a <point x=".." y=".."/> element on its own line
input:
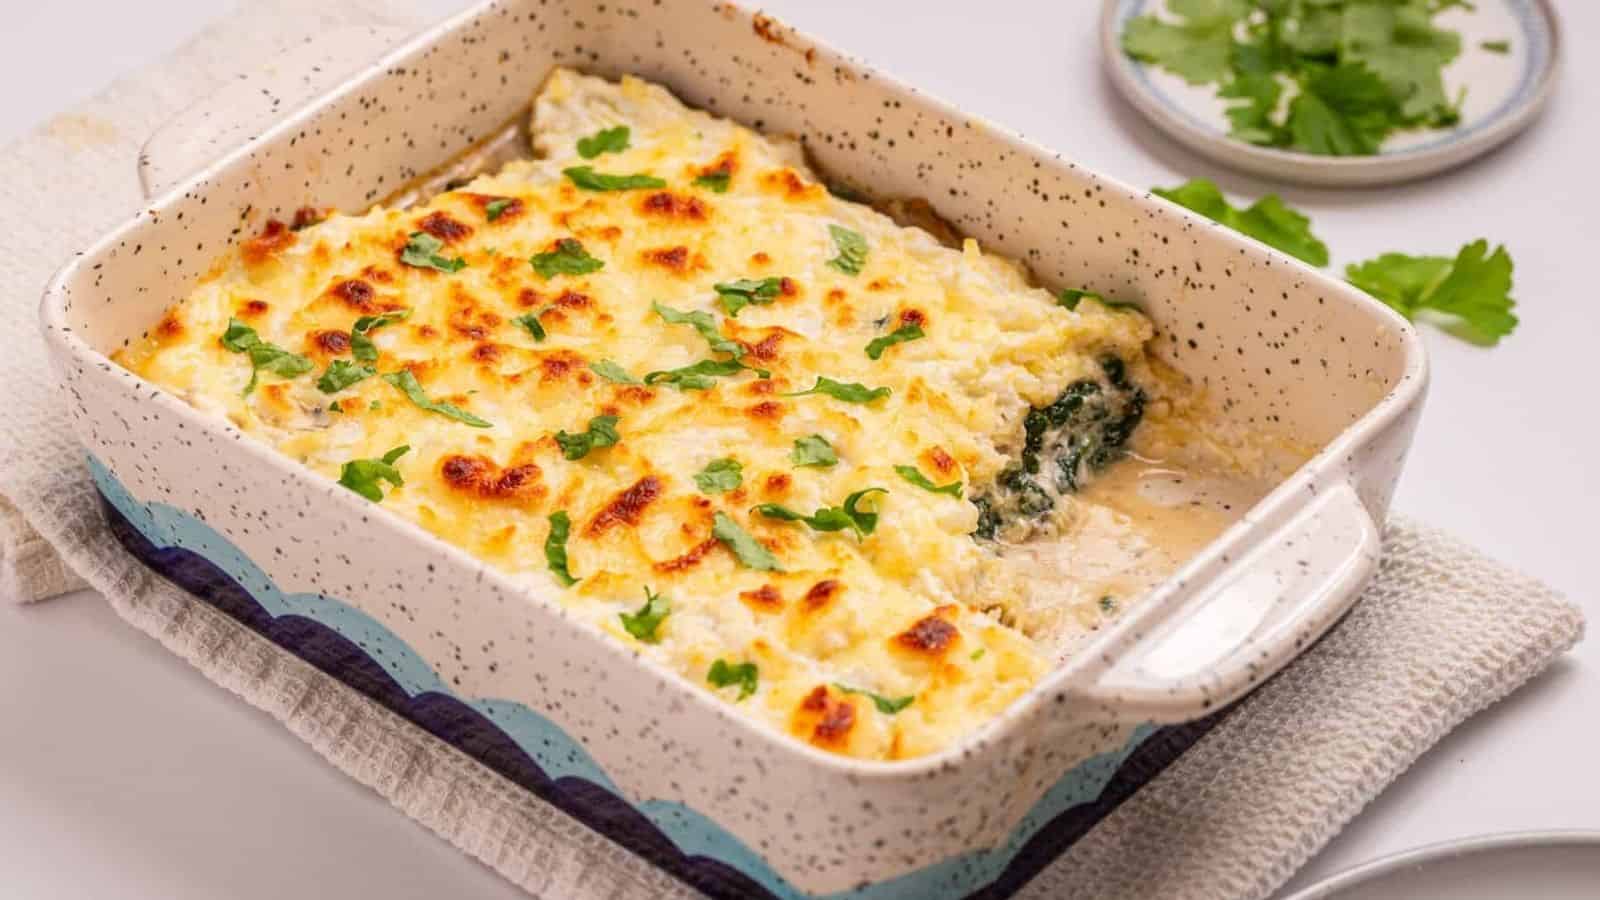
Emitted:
<point x="1441" y="633"/>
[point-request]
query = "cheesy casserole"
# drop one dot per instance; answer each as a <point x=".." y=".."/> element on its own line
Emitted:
<point x="765" y="435"/>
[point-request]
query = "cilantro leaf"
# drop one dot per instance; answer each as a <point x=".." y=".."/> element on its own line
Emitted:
<point x="407" y="383"/>
<point x="736" y="295"/>
<point x="830" y="518"/>
<point x="1197" y="47"/>
<point x="887" y="706"/>
<point x="602" y="432"/>
<point x="1251" y="120"/>
<point x="813" y="450"/>
<point x="750" y="551"/>
<point x="568" y="258"/>
<point x="530" y="323"/>
<point x="555" y="547"/>
<point x="898" y="336"/>
<point x="719" y="476"/>
<point x="1470" y="295"/>
<point x="849" y="392"/>
<point x="494" y="209"/>
<point x="644" y="623"/>
<point x="1400" y="45"/>
<point x="852" y="249"/>
<point x="700" y="376"/>
<point x="1343" y="111"/>
<point x="241" y="338"/>
<point x="361" y="345"/>
<point x="588" y="179"/>
<point x="716" y="182"/>
<point x="606" y="140"/>
<point x="612" y="372"/>
<point x="1269" y="220"/>
<point x="422" y="252"/>
<point x="342" y="373"/>
<point x="744" y="675"/>
<point x="363" y="475"/>
<point x="915" y="476"/>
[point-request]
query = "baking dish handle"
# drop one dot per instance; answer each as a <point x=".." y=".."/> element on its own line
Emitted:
<point x="1234" y="633"/>
<point x="243" y="108"/>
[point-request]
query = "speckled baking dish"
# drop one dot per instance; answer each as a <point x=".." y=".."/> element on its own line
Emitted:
<point x="633" y="750"/>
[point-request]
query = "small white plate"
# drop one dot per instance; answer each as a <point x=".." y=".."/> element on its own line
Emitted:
<point x="1549" y="865"/>
<point x="1505" y="92"/>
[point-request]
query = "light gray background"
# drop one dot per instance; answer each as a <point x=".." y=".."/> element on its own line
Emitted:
<point x="196" y="795"/>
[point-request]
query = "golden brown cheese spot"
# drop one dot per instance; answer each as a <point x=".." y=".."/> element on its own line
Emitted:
<point x="426" y="332"/>
<point x="481" y="477"/>
<point x="170" y="328"/>
<point x="787" y="183"/>
<point x="766" y="411"/>
<point x="834" y="297"/>
<point x="610" y="234"/>
<point x="674" y="259"/>
<point x="912" y="317"/>
<point x="776" y="484"/>
<point x="511" y="208"/>
<point x="487" y="352"/>
<point x="307" y="216"/>
<point x="635" y="394"/>
<point x="762" y="386"/>
<point x="878" y="284"/>
<point x="825" y="719"/>
<point x="939" y="460"/>
<point x="931" y="635"/>
<point x="627" y="507"/>
<point x="442" y="226"/>
<point x="725" y="164"/>
<point x="274" y="238"/>
<point x="470" y="320"/>
<point x="378" y="274"/>
<point x="690" y="559"/>
<point x="765" y="598"/>
<point x="668" y="205"/>
<point x="573" y="300"/>
<point x="558" y="364"/>
<point x="822" y="593"/>
<point x="766" y="349"/>
<point x="329" y="343"/>
<point x="356" y="294"/>
<point x="253" y="308"/>
<point x="528" y="297"/>
<point x="760" y="260"/>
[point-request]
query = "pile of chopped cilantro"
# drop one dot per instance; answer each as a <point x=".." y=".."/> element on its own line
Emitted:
<point x="1327" y="77"/>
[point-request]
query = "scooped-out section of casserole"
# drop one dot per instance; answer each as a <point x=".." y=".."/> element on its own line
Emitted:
<point x="863" y="486"/>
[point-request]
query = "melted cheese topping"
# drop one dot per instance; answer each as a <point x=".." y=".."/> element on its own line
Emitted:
<point x="897" y="613"/>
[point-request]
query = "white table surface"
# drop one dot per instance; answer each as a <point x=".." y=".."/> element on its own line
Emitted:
<point x="200" y="796"/>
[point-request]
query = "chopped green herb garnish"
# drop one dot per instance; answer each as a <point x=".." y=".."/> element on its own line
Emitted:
<point x="852" y="249"/>
<point x="530" y="322"/>
<point x="606" y="140"/>
<point x="342" y="373"/>
<point x="555" y="547"/>
<point x="1071" y="297"/>
<point x="1268" y="220"/>
<point x="915" y="476"/>
<point x="602" y="432"/>
<point x="494" y="209"/>
<point x="407" y="383"/>
<point x="568" y="258"/>
<point x="590" y="180"/>
<point x="849" y="392"/>
<point x="813" y="450"/>
<point x="750" y="551"/>
<point x="830" y="518"/>
<point x="1469" y="296"/>
<point x="361" y="345"/>
<point x="705" y="324"/>
<point x="363" y="475"/>
<point x="898" y="336"/>
<point x="241" y="338"/>
<point x="1496" y="46"/>
<point x="700" y="376"/>
<point x="422" y="252"/>
<point x="736" y="295"/>
<point x="885" y="705"/>
<point x="644" y="623"/>
<point x="610" y="371"/>
<point x="978" y="653"/>
<point x="716" y="182"/>
<point x="719" y="476"/>
<point x="744" y="675"/>
<point x="335" y="407"/>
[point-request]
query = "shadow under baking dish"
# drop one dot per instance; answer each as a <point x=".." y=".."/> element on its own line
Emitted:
<point x="536" y="754"/>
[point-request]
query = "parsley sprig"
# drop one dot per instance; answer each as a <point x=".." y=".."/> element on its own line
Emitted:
<point x="602" y="432"/>
<point x="915" y="476"/>
<point x="736" y="295"/>
<point x="588" y="179"/>
<point x="555" y="547"/>
<point x="361" y="345"/>
<point x="898" y="336"/>
<point x="364" y="475"/>
<point x="264" y="356"/>
<point x="422" y="252"/>
<point x="886" y="705"/>
<point x="606" y="140"/>
<point x="852" y="249"/>
<point x="644" y="623"/>
<point x="725" y="674"/>
<point x="745" y="547"/>
<point x="849" y="392"/>
<point x="408" y="385"/>
<point x="720" y="476"/>
<point x="568" y="258"/>
<point x="849" y="515"/>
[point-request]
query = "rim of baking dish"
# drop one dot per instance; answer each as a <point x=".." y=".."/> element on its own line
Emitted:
<point x="1055" y="688"/>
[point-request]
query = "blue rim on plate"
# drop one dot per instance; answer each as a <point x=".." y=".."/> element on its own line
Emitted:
<point x="1504" y="104"/>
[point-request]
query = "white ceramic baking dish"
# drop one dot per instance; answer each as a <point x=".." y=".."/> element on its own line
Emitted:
<point x="626" y="746"/>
